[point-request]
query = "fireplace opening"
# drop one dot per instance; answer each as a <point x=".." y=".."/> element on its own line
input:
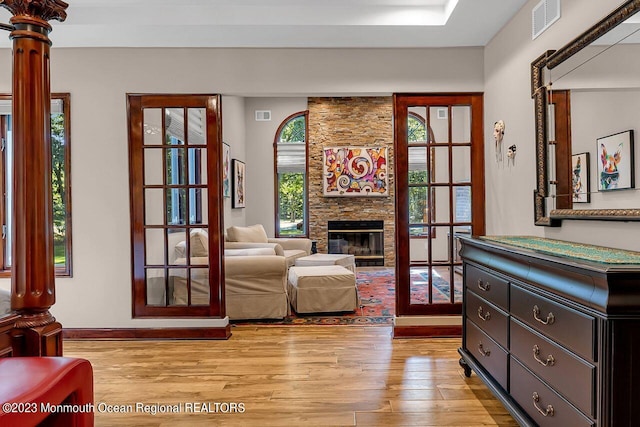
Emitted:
<point x="363" y="239"/>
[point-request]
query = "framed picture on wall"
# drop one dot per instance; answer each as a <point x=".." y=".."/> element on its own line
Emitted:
<point x="226" y="170"/>
<point x="580" y="178"/>
<point x="239" y="184"/>
<point x="615" y="161"/>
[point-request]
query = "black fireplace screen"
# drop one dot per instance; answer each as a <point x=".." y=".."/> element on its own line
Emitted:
<point x="363" y="239"/>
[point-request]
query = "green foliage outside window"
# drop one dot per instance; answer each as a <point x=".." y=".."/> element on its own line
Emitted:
<point x="417" y="130"/>
<point x="58" y="188"/>
<point x="294" y="131"/>
<point x="418" y="195"/>
<point x="291" y="202"/>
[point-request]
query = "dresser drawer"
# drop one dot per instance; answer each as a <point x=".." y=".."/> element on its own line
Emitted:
<point x="569" y="327"/>
<point x="566" y="373"/>
<point x="489" y="286"/>
<point x="487" y="352"/>
<point x="487" y="317"/>
<point x="538" y="400"/>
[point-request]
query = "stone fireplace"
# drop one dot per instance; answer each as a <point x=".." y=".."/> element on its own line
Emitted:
<point x="350" y="121"/>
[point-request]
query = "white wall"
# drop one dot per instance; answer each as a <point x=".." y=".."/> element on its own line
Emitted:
<point x="507" y="97"/>
<point x="260" y="137"/>
<point x="234" y="134"/>
<point x="99" y="294"/>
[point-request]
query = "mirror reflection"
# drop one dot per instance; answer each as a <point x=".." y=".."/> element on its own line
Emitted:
<point x="601" y="85"/>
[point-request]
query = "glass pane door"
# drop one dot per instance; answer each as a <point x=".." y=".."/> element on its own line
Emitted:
<point x="176" y="170"/>
<point x="437" y="138"/>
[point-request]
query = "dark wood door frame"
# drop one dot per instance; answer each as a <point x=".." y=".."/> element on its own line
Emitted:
<point x="561" y="100"/>
<point x="136" y="103"/>
<point x="402" y="102"/>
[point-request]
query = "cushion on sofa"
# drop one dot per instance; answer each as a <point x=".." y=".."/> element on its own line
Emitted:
<point x="248" y="252"/>
<point x="252" y="233"/>
<point x="199" y="242"/>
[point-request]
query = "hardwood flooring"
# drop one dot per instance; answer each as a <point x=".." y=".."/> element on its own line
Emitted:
<point x="288" y="376"/>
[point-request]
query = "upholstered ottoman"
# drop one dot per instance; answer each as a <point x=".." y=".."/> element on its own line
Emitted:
<point x="314" y="260"/>
<point x="322" y="289"/>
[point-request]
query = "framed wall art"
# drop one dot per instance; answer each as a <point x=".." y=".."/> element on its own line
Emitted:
<point x="226" y="170"/>
<point x="580" y="178"/>
<point x="239" y="184"/>
<point x="355" y="171"/>
<point x="615" y="161"/>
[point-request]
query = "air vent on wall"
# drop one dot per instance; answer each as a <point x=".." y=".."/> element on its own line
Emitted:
<point x="543" y="15"/>
<point x="263" y="115"/>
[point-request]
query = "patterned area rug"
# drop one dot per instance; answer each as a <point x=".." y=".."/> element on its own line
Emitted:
<point x="377" y="290"/>
<point x="441" y="289"/>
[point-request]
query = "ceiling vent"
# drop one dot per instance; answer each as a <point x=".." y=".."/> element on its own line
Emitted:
<point x="263" y="115"/>
<point x="543" y="15"/>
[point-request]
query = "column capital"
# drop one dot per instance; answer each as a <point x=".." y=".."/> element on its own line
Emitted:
<point x="46" y="10"/>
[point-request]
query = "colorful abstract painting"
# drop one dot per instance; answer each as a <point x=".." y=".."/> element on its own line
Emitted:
<point x="615" y="161"/>
<point x="355" y="171"/>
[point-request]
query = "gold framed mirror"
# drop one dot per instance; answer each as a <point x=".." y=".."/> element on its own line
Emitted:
<point x="586" y="67"/>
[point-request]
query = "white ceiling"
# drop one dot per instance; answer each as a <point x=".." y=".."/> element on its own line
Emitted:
<point x="278" y="23"/>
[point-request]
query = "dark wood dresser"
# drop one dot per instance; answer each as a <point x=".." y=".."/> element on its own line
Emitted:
<point x="553" y="329"/>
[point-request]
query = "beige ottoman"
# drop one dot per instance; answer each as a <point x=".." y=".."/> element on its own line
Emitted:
<point x="322" y="289"/>
<point x="344" y="260"/>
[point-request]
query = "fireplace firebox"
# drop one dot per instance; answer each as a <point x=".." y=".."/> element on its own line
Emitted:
<point x="363" y="239"/>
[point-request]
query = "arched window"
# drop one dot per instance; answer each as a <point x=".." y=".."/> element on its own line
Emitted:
<point x="291" y="177"/>
<point x="421" y="199"/>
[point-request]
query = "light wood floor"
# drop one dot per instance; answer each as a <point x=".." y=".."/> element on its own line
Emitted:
<point x="291" y="376"/>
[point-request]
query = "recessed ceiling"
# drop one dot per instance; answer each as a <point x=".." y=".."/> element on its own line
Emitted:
<point x="279" y="23"/>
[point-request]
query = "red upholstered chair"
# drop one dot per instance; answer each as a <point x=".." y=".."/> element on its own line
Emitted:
<point x="32" y="384"/>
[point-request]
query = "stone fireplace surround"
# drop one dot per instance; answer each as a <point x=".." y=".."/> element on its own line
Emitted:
<point x="350" y="121"/>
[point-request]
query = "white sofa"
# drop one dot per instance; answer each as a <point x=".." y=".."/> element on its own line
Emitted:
<point x="254" y="236"/>
<point x="255" y="274"/>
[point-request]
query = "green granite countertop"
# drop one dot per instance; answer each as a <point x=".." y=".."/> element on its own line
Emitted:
<point x="574" y="250"/>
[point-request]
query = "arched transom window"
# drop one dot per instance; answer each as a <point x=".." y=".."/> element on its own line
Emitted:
<point x="291" y="177"/>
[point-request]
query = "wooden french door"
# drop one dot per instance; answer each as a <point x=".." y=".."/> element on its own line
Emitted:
<point x="176" y="205"/>
<point x="439" y="173"/>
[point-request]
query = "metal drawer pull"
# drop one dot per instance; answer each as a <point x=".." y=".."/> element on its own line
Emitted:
<point x="485" y="353"/>
<point x="484" y="286"/>
<point x="548" y="412"/>
<point x="536" y="315"/>
<point x="536" y="355"/>
<point x="484" y="316"/>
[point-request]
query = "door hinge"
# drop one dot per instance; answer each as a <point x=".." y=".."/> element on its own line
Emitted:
<point x="4" y="231"/>
<point x="4" y="143"/>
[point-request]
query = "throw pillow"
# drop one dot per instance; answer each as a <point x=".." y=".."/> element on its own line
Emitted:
<point x="199" y="242"/>
<point x="180" y="250"/>
<point x="250" y="234"/>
